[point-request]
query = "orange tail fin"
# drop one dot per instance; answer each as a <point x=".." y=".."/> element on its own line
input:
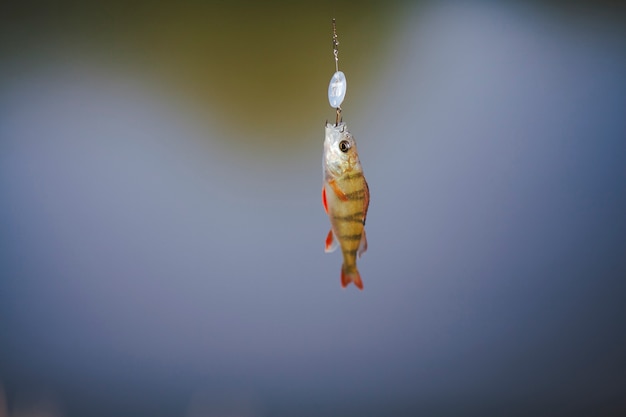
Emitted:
<point x="348" y="276"/>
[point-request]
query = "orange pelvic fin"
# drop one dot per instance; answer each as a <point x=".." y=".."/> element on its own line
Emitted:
<point x="324" y="200"/>
<point x="342" y="196"/>
<point x="351" y="276"/>
<point x="331" y="242"/>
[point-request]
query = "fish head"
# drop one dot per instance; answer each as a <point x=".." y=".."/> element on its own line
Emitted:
<point x="340" y="153"/>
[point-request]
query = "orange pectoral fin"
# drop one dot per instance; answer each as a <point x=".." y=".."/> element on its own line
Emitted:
<point x="342" y="196"/>
<point x="366" y="203"/>
<point x="324" y="201"/>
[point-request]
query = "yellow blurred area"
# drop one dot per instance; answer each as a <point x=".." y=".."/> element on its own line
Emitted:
<point x="259" y="68"/>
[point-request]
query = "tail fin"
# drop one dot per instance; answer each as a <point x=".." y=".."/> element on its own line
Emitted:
<point x="349" y="275"/>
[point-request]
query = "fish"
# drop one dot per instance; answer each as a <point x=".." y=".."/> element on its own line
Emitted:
<point x="345" y="196"/>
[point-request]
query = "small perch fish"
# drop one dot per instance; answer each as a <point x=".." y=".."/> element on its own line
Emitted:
<point x="345" y="196"/>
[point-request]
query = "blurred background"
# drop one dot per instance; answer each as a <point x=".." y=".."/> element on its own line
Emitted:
<point x="162" y="233"/>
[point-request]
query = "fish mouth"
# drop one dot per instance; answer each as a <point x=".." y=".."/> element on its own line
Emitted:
<point x="341" y="126"/>
<point x="334" y="133"/>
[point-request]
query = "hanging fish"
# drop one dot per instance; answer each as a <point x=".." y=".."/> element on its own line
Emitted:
<point x="345" y="196"/>
<point x="345" y="193"/>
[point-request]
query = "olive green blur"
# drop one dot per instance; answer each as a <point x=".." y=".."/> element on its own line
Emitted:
<point x="260" y="68"/>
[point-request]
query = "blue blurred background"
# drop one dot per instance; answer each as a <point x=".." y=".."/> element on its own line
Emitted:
<point x="161" y="229"/>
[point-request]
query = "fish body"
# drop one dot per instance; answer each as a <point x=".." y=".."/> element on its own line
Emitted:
<point x="345" y="196"/>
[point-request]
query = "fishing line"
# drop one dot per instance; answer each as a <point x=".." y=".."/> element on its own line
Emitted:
<point x="335" y="45"/>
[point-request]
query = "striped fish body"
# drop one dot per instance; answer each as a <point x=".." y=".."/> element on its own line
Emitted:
<point x="345" y="196"/>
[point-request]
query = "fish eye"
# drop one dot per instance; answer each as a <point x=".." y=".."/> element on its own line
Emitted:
<point x="344" y="145"/>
